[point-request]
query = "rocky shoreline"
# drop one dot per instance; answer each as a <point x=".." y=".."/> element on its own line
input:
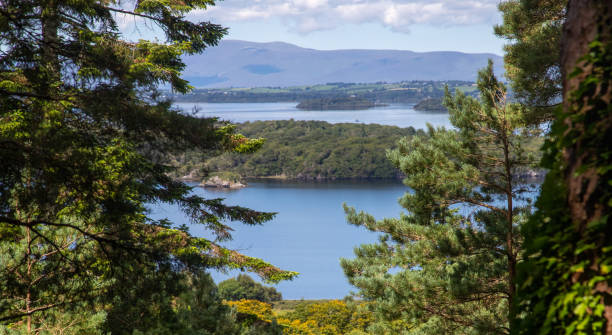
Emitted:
<point x="527" y="175"/>
<point x="217" y="182"/>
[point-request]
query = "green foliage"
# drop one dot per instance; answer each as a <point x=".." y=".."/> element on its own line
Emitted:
<point x="188" y="304"/>
<point x="563" y="280"/>
<point x="83" y="138"/>
<point x="244" y="287"/>
<point x="441" y="268"/>
<point x="533" y="56"/>
<point x="79" y="321"/>
<point x="307" y="150"/>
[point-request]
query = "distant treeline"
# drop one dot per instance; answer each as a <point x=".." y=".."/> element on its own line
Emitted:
<point x="308" y="150"/>
<point x="403" y="92"/>
<point x="339" y="103"/>
<point x="431" y="105"/>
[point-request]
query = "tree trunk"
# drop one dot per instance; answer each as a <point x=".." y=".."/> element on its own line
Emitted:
<point x="50" y="42"/>
<point x="579" y="30"/>
<point x="510" y="248"/>
<point x="586" y="186"/>
<point x="28" y="300"/>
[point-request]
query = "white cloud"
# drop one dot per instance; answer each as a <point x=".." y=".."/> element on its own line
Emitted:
<point x="310" y="4"/>
<point x="305" y="16"/>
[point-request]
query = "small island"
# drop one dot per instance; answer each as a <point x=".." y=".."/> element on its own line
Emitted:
<point x="337" y="103"/>
<point x="227" y="180"/>
<point x="431" y="105"/>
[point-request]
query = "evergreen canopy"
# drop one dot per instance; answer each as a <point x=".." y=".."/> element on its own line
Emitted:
<point x="83" y="140"/>
<point x="532" y="57"/>
<point x="448" y="265"/>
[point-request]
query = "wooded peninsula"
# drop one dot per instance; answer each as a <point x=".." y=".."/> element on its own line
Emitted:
<point x="309" y="150"/>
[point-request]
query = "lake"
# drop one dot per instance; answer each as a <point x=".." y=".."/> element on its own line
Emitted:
<point x="401" y="115"/>
<point x="310" y="233"/>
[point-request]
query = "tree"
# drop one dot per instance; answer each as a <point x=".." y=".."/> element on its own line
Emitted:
<point x="566" y="285"/>
<point x="62" y="322"/>
<point x="256" y="317"/>
<point x="191" y="306"/>
<point x="330" y="317"/>
<point x="244" y="287"/>
<point x="532" y="60"/>
<point x="448" y="265"/>
<point x="83" y="140"/>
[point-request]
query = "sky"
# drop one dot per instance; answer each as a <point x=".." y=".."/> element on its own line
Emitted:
<point x="417" y="25"/>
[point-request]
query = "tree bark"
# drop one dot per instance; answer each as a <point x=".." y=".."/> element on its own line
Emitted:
<point x="510" y="252"/>
<point x="586" y="20"/>
<point x="579" y="30"/>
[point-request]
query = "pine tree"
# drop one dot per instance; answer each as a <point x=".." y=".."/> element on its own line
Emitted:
<point x="84" y="134"/>
<point x="448" y="264"/>
<point x="532" y="58"/>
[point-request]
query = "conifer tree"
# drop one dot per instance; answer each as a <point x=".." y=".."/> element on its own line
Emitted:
<point x="448" y="264"/>
<point x="83" y="137"/>
<point x="532" y="58"/>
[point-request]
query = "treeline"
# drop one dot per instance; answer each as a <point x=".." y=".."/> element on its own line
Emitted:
<point x="307" y="150"/>
<point x="431" y="105"/>
<point x="338" y="103"/>
<point x="402" y="92"/>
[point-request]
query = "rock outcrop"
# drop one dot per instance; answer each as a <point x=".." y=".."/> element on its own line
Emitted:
<point x="217" y="182"/>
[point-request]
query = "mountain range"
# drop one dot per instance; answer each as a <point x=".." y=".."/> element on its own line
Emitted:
<point x="235" y="63"/>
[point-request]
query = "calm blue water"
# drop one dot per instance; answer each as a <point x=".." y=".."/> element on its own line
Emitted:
<point x="401" y="115"/>
<point x="310" y="234"/>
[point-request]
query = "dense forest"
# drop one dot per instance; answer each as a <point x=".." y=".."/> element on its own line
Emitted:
<point x="306" y="150"/>
<point x="403" y="92"/>
<point x="88" y="142"/>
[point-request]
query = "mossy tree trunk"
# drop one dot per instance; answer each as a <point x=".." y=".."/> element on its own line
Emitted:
<point x="588" y="117"/>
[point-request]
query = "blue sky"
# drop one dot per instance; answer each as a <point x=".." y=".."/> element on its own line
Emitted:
<point x="417" y="25"/>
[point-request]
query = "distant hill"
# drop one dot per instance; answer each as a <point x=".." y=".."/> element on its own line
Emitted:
<point x="248" y="64"/>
